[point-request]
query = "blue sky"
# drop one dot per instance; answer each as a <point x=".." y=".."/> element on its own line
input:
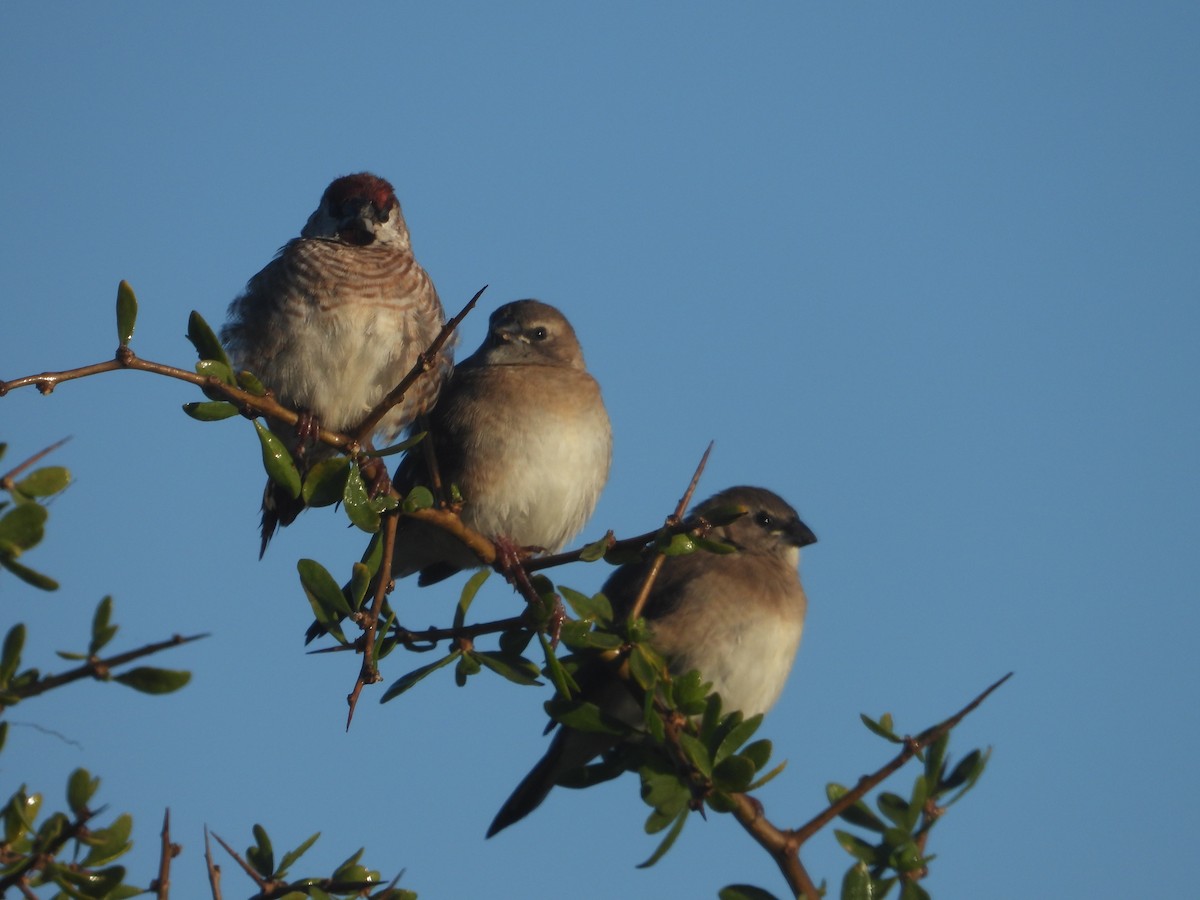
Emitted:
<point x="930" y="272"/>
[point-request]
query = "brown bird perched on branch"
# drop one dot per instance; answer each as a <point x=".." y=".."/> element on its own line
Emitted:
<point x="521" y="429"/>
<point x="736" y="618"/>
<point x="335" y="321"/>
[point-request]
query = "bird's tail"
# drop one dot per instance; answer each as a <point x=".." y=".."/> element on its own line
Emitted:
<point x="570" y="750"/>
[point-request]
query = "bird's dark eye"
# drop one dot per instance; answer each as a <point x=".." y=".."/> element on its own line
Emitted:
<point x="539" y="333"/>
<point x="763" y="520"/>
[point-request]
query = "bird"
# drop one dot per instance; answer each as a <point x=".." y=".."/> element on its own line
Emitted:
<point x="522" y="430"/>
<point x="737" y="618"/>
<point x="335" y="321"/>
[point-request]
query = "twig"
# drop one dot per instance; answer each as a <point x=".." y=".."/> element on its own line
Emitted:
<point x="265" y="405"/>
<point x="99" y="668"/>
<point x="214" y="871"/>
<point x="680" y="509"/>
<point x="246" y="867"/>
<point x="424" y="364"/>
<point x="911" y="746"/>
<point x="368" y="673"/>
<point x="784" y="845"/>
<point x="167" y="852"/>
<point x="7" y="481"/>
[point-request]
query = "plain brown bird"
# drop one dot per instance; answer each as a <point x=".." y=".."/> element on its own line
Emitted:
<point x="736" y="618"/>
<point x="335" y="321"/>
<point x="522" y="430"/>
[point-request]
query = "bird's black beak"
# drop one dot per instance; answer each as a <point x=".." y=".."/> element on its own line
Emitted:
<point x="801" y="535"/>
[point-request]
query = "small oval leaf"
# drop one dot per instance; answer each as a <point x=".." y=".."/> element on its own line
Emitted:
<point x="127" y="309"/>
<point x="277" y="461"/>
<point x="150" y="680"/>
<point x="205" y="340"/>
<point x="211" y="411"/>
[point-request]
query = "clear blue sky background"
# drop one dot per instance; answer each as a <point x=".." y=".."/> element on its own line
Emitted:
<point x="930" y="271"/>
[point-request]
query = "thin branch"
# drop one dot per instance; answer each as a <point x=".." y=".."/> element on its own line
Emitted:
<point x="99" y="668"/>
<point x="214" y="871"/>
<point x="867" y="782"/>
<point x="424" y="363"/>
<point x="265" y="405"/>
<point x="8" y="481"/>
<point x="368" y="673"/>
<point x="167" y="852"/>
<point x="246" y="867"/>
<point x="784" y="845"/>
<point x="680" y="509"/>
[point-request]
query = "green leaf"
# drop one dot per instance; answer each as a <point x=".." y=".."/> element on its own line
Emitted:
<point x="897" y="809"/>
<point x="249" y="383"/>
<point x="737" y="736"/>
<point x="516" y="669"/>
<point x="149" y="680"/>
<point x="744" y="892"/>
<point x="696" y="752"/>
<point x="857" y="847"/>
<point x="906" y="857"/>
<point x="45" y="482"/>
<point x="10" y="656"/>
<point x="261" y="855"/>
<point x="277" y="461"/>
<point x="578" y="635"/>
<point x="467" y="597"/>
<point x="357" y="502"/>
<point x="106" y="844"/>
<point x="402" y="684"/>
<point x="566" y="686"/>
<point x="360" y="581"/>
<point x="913" y="891"/>
<point x="323" y="593"/>
<point x="28" y="575"/>
<point x="325" y="481"/>
<point x="127" y="309"/>
<point x="857" y="885"/>
<point x="858" y="814"/>
<point x="691" y="693"/>
<point x="583" y="716"/>
<point x="758" y="753"/>
<point x="515" y="641"/>
<point x="711" y="546"/>
<point x="596" y="550"/>
<point x="418" y="498"/>
<point x="676" y="545"/>
<point x="210" y="368"/>
<point x="468" y="665"/>
<point x="768" y="777"/>
<point x="22" y="527"/>
<point x="733" y="774"/>
<point x="211" y="410"/>
<point x="97" y="884"/>
<point x="102" y="630"/>
<point x="965" y="773"/>
<point x="665" y="793"/>
<point x="645" y="666"/>
<point x="292" y="855"/>
<point x="667" y="842"/>
<point x="935" y="758"/>
<point x="204" y="339"/>
<point x="883" y="727"/>
<point x="81" y="786"/>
